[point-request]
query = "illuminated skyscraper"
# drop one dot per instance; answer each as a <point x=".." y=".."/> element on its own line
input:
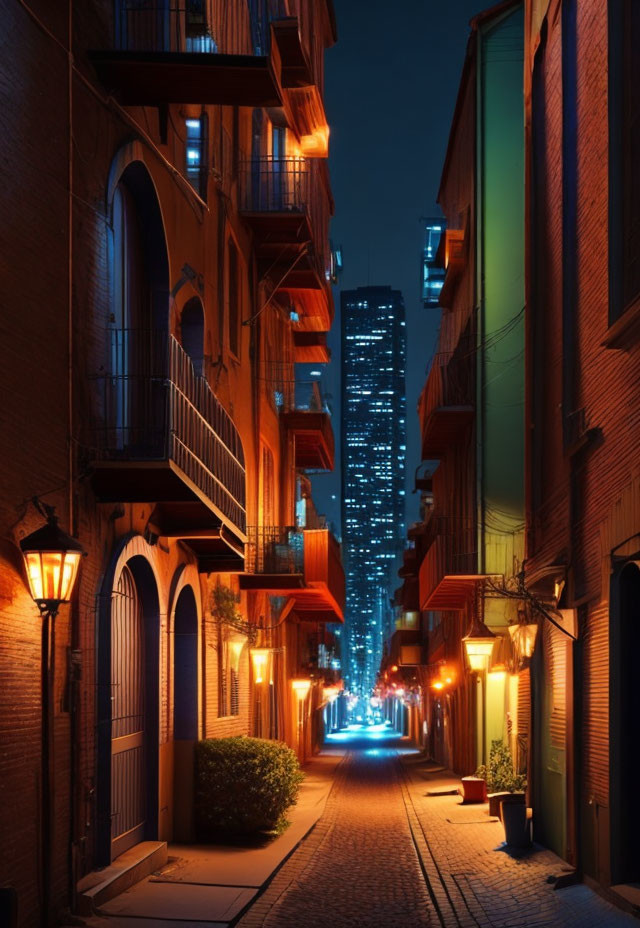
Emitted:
<point x="373" y="461"/>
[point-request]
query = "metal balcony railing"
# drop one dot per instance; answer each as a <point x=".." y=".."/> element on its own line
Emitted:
<point x="452" y="374"/>
<point x="156" y="408"/>
<point x="179" y="26"/>
<point x="275" y="185"/>
<point x="274" y="550"/>
<point x="290" y="395"/>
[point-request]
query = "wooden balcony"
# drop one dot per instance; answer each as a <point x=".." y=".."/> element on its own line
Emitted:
<point x="310" y="347"/>
<point x="448" y="573"/>
<point x="309" y="421"/>
<point x="303" y="564"/>
<point x="446" y="405"/>
<point x="409" y="563"/>
<point x="174" y="53"/>
<point x="297" y="69"/>
<point x="286" y="203"/>
<point x="165" y="439"/>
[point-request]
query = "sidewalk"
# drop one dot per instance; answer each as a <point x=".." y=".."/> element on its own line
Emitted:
<point x="210" y="886"/>
<point x="474" y="880"/>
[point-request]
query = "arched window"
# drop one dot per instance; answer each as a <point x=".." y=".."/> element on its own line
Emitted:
<point x="192" y="333"/>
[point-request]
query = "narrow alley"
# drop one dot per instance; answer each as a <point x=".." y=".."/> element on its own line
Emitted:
<point x="396" y="847"/>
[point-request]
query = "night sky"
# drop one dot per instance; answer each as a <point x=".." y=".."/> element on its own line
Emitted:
<point x="391" y="85"/>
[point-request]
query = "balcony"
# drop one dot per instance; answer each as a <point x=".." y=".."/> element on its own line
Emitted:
<point x="445" y="407"/>
<point x="309" y="421"/>
<point x="165" y="439"/>
<point x="448" y="574"/>
<point x="287" y="205"/>
<point x="409" y="563"/>
<point x="405" y="644"/>
<point x="452" y="254"/>
<point x="310" y="347"/>
<point x="180" y="52"/>
<point x="303" y="564"/>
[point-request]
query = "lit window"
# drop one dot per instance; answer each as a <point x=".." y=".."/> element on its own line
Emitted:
<point x="196" y="151"/>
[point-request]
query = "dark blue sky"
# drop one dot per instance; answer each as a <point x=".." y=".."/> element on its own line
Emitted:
<point x="391" y="85"/>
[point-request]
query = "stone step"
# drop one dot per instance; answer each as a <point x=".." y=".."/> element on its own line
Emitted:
<point x="134" y="865"/>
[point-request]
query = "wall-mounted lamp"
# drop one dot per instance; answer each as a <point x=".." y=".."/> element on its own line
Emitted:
<point x="259" y="659"/>
<point x="301" y="688"/>
<point x="478" y="645"/>
<point x="523" y="636"/>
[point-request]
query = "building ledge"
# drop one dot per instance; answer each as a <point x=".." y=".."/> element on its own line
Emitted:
<point x="625" y="329"/>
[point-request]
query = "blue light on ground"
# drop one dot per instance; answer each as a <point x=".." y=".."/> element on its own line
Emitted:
<point x="362" y="733"/>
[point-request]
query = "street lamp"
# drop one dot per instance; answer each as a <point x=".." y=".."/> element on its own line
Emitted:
<point x="51" y="559"/>
<point x="478" y="645"/>
<point x="301" y="689"/>
<point x="259" y="658"/>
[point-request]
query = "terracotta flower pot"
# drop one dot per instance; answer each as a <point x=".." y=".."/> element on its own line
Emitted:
<point x="474" y="789"/>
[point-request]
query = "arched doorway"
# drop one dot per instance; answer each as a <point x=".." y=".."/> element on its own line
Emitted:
<point x="185" y="668"/>
<point x="185" y="711"/>
<point x="625" y="712"/>
<point x="133" y="679"/>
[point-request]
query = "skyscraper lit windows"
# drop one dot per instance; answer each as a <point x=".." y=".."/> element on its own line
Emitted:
<point x="373" y="445"/>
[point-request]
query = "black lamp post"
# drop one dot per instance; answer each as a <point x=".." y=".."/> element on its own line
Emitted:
<point x="52" y="559"/>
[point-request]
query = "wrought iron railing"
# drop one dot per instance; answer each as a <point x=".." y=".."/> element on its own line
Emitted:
<point x="155" y="407"/>
<point x="275" y="185"/>
<point x="290" y="395"/>
<point x="274" y="550"/>
<point x="153" y="26"/>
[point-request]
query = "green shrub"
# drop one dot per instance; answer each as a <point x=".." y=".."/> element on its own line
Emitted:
<point x="243" y="785"/>
<point x="499" y="774"/>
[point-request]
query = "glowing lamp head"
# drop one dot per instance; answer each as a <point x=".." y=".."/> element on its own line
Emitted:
<point x="330" y="693"/>
<point x="301" y="688"/>
<point x="478" y="645"/>
<point x="438" y="685"/>
<point x="235" y="649"/>
<point x="524" y="638"/>
<point x="400" y="691"/>
<point x="52" y="559"/>
<point x="259" y="659"/>
<point x="394" y="669"/>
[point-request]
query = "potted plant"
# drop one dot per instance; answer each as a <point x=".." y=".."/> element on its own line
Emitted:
<point x="501" y="779"/>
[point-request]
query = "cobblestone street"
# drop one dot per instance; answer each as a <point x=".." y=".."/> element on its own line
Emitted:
<point x="360" y="866"/>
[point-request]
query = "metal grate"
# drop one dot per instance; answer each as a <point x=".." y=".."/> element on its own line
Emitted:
<point x="155" y="407"/>
<point x="275" y="550"/>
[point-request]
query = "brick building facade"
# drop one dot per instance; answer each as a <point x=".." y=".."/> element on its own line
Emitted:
<point x="165" y="217"/>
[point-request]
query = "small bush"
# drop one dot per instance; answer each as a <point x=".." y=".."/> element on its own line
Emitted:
<point x="499" y="774"/>
<point x="243" y="785"/>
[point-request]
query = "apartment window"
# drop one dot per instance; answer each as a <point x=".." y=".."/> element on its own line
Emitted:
<point x="234" y="300"/>
<point x="624" y="150"/>
<point x="267" y="487"/>
<point x="196" y="154"/>
<point x="228" y="676"/>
